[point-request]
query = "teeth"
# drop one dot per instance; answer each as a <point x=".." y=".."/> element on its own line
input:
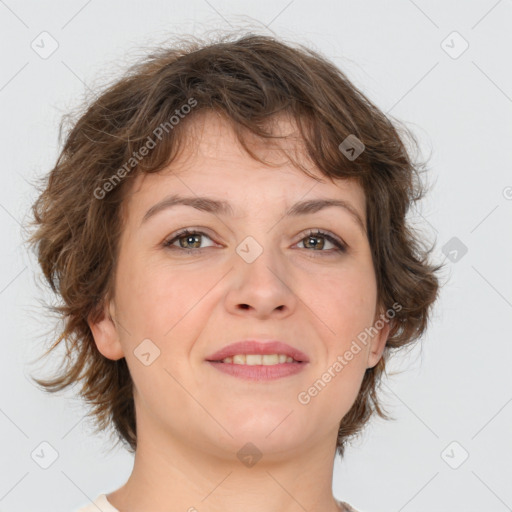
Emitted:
<point x="253" y="359"/>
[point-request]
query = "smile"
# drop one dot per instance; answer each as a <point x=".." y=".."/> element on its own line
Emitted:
<point x="259" y="359"/>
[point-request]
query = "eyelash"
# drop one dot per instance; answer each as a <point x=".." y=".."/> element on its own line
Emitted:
<point x="340" y="246"/>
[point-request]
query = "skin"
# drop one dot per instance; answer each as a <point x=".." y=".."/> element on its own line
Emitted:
<point x="191" y="418"/>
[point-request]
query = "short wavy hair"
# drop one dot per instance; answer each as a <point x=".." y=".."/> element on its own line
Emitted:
<point x="249" y="79"/>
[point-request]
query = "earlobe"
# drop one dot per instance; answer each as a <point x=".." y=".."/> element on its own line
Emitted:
<point x="378" y="345"/>
<point x="105" y="333"/>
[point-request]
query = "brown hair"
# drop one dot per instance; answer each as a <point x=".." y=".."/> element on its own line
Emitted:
<point x="249" y="79"/>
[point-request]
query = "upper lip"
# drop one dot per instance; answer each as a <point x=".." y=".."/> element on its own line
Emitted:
<point x="258" y="347"/>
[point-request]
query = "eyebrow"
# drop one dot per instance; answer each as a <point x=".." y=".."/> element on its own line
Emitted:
<point x="221" y="207"/>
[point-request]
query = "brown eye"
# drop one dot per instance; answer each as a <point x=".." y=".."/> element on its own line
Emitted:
<point x="311" y="240"/>
<point x="189" y="241"/>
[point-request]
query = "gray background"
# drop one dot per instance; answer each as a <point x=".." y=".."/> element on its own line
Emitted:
<point x="456" y="387"/>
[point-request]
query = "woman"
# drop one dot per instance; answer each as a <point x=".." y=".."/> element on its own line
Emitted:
<point x="226" y="228"/>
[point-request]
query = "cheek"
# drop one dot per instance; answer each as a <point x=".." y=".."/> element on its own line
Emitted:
<point x="162" y="304"/>
<point x="347" y="307"/>
<point x="155" y="295"/>
<point x="346" y="302"/>
<point x="158" y="304"/>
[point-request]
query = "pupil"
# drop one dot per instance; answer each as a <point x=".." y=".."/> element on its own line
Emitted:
<point x="188" y="238"/>
<point x="313" y="238"/>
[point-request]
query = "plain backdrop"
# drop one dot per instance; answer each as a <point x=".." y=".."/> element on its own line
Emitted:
<point x="443" y="68"/>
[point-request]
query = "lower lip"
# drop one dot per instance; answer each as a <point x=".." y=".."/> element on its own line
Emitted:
<point x="259" y="371"/>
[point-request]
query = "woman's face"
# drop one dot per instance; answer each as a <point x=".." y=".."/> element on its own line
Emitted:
<point x="252" y="272"/>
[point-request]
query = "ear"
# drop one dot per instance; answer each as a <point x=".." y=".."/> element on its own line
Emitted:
<point x="378" y="342"/>
<point x="104" y="330"/>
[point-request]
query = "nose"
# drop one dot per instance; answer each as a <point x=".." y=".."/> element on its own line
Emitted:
<point x="262" y="287"/>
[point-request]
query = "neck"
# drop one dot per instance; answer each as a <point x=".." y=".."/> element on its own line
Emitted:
<point x="187" y="475"/>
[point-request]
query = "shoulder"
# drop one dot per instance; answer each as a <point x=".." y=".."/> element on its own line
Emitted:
<point x="100" y="503"/>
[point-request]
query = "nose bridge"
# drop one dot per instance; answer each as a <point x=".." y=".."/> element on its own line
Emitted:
<point x="260" y="276"/>
<point x="261" y="259"/>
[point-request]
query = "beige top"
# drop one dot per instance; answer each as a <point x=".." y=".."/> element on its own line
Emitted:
<point x="101" y="504"/>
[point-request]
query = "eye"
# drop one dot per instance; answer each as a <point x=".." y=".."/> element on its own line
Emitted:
<point x="309" y="240"/>
<point x="188" y="240"/>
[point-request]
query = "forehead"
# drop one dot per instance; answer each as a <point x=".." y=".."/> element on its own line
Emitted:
<point x="213" y="163"/>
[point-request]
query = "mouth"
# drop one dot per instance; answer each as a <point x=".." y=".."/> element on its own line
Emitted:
<point x="252" y="352"/>
<point x="259" y="372"/>
<point x="255" y="360"/>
